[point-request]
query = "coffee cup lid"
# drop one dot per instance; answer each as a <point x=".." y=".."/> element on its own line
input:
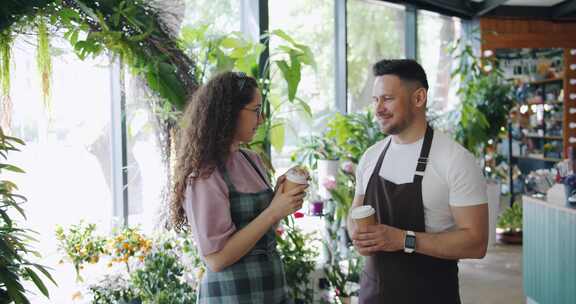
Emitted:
<point x="296" y="176"/>
<point x="362" y="212"/>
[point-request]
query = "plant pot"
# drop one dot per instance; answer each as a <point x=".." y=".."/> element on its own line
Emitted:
<point x="317" y="208"/>
<point x="510" y="237"/>
<point x="493" y="191"/>
<point x="326" y="168"/>
<point x="344" y="300"/>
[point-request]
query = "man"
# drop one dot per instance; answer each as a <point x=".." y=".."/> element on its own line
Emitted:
<point x="429" y="195"/>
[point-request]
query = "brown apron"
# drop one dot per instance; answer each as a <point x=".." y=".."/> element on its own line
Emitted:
<point x="398" y="277"/>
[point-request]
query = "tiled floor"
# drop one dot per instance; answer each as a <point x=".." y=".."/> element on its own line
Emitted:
<point x="496" y="279"/>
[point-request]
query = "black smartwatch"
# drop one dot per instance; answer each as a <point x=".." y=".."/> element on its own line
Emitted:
<point x="410" y="242"/>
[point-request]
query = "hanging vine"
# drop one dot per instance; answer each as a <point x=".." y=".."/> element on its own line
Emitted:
<point x="130" y="29"/>
<point x="44" y="60"/>
<point x="5" y="47"/>
<point x="5" y="59"/>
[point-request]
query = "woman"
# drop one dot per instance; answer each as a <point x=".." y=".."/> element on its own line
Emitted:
<point x="222" y="193"/>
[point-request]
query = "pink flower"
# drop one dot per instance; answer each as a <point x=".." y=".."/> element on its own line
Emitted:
<point x="279" y="231"/>
<point x="298" y="214"/>
<point x="329" y="183"/>
<point x="348" y="167"/>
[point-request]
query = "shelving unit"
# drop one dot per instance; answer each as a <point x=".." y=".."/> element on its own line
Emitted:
<point x="536" y="131"/>
<point x="538" y="158"/>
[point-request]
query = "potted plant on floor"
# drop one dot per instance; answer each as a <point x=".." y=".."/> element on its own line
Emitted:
<point x="482" y="116"/>
<point x="510" y="225"/>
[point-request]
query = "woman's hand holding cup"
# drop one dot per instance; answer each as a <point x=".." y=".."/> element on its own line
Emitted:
<point x="287" y="202"/>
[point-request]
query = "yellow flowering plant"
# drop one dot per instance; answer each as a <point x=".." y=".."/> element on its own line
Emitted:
<point x="81" y="245"/>
<point x="126" y="244"/>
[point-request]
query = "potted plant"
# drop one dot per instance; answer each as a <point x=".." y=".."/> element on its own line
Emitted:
<point x="15" y="266"/>
<point x="486" y="99"/>
<point x="346" y="138"/>
<point x="480" y="121"/>
<point x="299" y="259"/>
<point x="354" y="133"/>
<point x="165" y="269"/>
<point x="343" y="276"/>
<point x="284" y="67"/>
<point x="510" y="224"/>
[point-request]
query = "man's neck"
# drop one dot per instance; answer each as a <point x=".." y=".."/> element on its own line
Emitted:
<point x="413" y="133"/>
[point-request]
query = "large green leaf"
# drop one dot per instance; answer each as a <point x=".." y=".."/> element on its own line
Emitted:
<point x="283" y="35"/>
<point x="291" y="74"/>
<point x="305" y="107"/>
<point x="306" y="57"/>
<point x="232" y="43"/>
<point x="162" y="78"/>
<point x="12" y="285"/>
<point x="45" y="272"/>
<point x="11" y="168"/>
<point x="277" y="136"/>
<point x="37" y="281"/>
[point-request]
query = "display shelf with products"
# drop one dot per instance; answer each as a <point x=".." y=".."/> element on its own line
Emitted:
<point x="537" y="121"/>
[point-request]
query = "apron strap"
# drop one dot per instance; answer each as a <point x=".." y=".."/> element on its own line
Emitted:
<point x="424" y="153"/>
<point x="245" y="154"/>
<point x="422" y="160"/>
<point x="374" y="178"/>
<point x="227" y="179"/>
<point x="376" y="172"/>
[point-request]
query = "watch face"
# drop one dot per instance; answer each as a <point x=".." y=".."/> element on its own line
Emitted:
<point x="410" y="242"/>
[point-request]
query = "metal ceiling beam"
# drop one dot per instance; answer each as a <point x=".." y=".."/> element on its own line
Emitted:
<point x="563" y="9"/>
<point x="537" y="12"/>
<point x="456" y="6"/>
<point x="487" y="5"/>
<point x="467" y="9"/>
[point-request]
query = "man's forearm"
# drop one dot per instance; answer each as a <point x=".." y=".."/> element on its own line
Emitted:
<point x="457" y="244"/>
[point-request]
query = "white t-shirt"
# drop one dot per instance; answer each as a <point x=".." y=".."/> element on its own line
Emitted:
<point x="452" y="177"/>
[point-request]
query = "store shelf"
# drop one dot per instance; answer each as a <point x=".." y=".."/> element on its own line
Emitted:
<point x="546" y="81"/>
<point x="546" y="159"/>
<point x="545" y="137"/>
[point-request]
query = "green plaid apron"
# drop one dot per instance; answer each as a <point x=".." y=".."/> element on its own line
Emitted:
<point x="258" y="277"/>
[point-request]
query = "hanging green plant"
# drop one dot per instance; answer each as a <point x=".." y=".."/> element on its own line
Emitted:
<point x="5" y="47"/>
<point x="43" y="60"/>
<point x="130" y="29"/>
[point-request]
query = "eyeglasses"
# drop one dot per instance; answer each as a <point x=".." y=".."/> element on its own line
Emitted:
<point x="241" y="80"/>
<point x="258" y="110"/>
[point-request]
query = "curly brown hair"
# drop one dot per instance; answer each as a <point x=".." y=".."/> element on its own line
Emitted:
<point x="207" y="132"/>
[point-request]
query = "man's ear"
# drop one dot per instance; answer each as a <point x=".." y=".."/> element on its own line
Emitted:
<point x="419" y="97"/>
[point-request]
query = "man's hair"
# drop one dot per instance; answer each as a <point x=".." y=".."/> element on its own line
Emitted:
<point x="405" y="69"/>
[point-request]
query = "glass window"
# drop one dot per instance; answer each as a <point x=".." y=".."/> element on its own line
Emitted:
<point x="310" y="23"/>
<point x="375" y="31"/>
<point x="223" y="16"/>
<point x="67" y="153"/>
<point x="146" y="148"/>
<point x="145" y="137"/>
<point x="436" y="33"/>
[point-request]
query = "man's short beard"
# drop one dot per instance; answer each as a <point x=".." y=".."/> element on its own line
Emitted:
<point x="398" y="127"/>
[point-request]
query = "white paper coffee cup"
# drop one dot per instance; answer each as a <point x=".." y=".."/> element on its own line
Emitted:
<point x="295" y="177"/>
<point x="363" y="215"/>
